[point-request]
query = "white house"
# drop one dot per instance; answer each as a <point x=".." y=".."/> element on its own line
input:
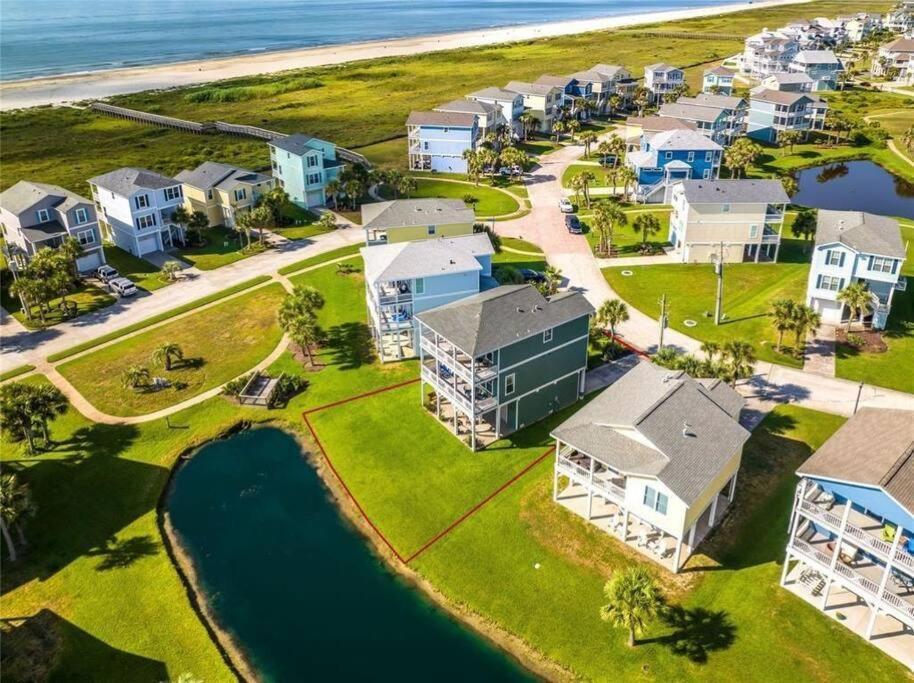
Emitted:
<point x="135" y="209"/>
<point x="854" y="246"/>
<point x="653" y="460"/>
<point x="662" y="79"/>
<point x="718" y="81"/>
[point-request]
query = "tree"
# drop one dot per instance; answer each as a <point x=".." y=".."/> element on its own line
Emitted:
<point x="259" y="218"/>
<point x="628" y="179"/>
<point x="170" y="270"/>
<point x="180" y="217"/>
<point x="572" y="126"/>
<point x="16" y="404"/>
<point x="611" y="313"/>
<point x="166" y="353"/>
<point x="789" y="138"/>
<point x="333" y="191"/>
<point x="197" y="223"/>
<point x="634" y="599"/>
<point x="584" y="180"/>
<point x="603" y="151"/>
<point x="588" y="139"/>
<point x="614" y="102"/>
<point x="606" y="218"/>
<point x="528" y="123"/>
<point x="782" y="319"/>
<point x="857" y="298"/>
<point x="641" y="99"/>
<point x="474" y="165"/>
<point x="70" y="249"/>
<point x="804" y="225"/>
<point x="514" y="158"/>
<point x="557" y="129"/>
<point x="406" y="184"/>
<point x="804" y="318"/>
<point x="648" y="225"/>
<point x="740" y="155"/>
<point x="15" y="505"/>
<point x="710" y="349"/>
<point x="790" y="185"/>
<point x="907" y="138"/>
<point x="327" y="221"/>
<point x="135" y="376"/>
<point x="738" y="359"/>
<point x="298" y="317"/>
<point x="277" y="199"/>
<point x="48" y="403"/>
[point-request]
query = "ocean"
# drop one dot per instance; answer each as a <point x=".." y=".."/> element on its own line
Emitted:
<point x="51" y="37"/>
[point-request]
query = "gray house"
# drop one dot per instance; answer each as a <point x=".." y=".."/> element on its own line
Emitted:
<point x="38" y="216"/>
<point x="503" y="359"/>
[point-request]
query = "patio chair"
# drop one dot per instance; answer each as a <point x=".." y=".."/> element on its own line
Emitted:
<point x="826" y="500"/>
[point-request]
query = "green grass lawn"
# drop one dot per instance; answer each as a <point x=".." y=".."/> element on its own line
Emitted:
<point x="88" y="298"/>
<point x="302" y="223"/>
<point x="520" y="245"/>
<point x="626" y="241"/>
<point x="573" y="170"/>
<point x="143" y="273"/>
<point x="219" y="343"/>
<point x="492" y="202"/>
<point x="749" y="290"/>
<point x="223" y="246"/>
<point x="538" y="146"/>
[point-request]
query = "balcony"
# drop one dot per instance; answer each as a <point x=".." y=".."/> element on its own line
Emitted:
<point x="456" y="390"/>
<point x="480" y="370"/>
<point x="606" y="482"/>
<point x="395" y="292"/>
<point x="770" y="236"/>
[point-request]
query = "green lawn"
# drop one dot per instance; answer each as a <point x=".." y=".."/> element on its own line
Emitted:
<point x="520" y="245"/>
<point x="749" y="290"/>
<point x="88" y="298"/>
<point x="219" y="343"/>
<point x="894" y="368"/>
<point x="538" y="146"/>
<point x="223" y="246"/>
<point x="492" y="202"/>
<point x="143" y="273"/>
<point x="573" y="170"/>
<point x="302" y="223"/>
<point x="625" y="239"/>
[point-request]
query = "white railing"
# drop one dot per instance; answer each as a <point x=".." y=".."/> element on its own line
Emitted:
<point x="581" y="475"/>
<point x="447" y="390"/>
<point x="439" y="354"/>
<point x="862" y="538"/>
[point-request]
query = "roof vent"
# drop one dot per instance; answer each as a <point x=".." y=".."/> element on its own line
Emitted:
<point x="452" y="262"/>
<point x="668" y="377"/>
<point x="519" y="309"/>
<point x="537" y="307"/>
<point x="687" y="429"/>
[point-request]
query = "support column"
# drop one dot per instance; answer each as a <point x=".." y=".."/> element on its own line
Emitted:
<point x="625" y="524"/>
<point x="836" y="554"/>
<point x="692" y="535"/>
<point x="555" y="481"/>
<point x="732" y="492"/>
<point x="713" y="511"/>
<point x="784" y="570"/>
<point x="677" y="555"/>
<point x="590" y="490"/>
<point x="882" y="583"/>
<point x="758" y="247"/>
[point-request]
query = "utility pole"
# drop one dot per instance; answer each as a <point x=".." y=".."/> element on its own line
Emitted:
<point x="719" y="271"/>
<point x="663" y="319"/>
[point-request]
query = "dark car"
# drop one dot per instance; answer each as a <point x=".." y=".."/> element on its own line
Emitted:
<point x="573" y="223"/>
<point x="531" y="275"/>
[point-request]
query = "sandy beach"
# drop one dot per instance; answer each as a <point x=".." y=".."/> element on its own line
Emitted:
<point x="101" y="84"/>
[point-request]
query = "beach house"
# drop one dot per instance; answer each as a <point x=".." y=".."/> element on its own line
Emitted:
<point x="641" y="129"/>
<point x="488" y="115"/>
<point x="850" y="547"/>
<point x="135" y="209"/>
<point x="510" y="105"/>
<point x="669" y="157"/>
<point x="222" y="191"/>
<point x="303" y="165"/>
<point x="543" y="101"/>
<point x="653" y="460"/>
<point x="788" y="82"/>
<point x="437" y="140"/>
<point x="406" y="278"/>
<point x="503" y="359"/>
<point x="621" y="83"/>
<point x="37" y="216"/>
<point x="768" y="52"/>
<point x="822" y="67"/>
<point x="721" y="117"/>
<point x="727" y="220"/>
<point x="408" y="220"/>
<point x="852" y="246"/>
<point x="772" y="112"/>
<point x="662" y="80"/>
<point x="718" y="81"/>
<point x="893" y="60"/>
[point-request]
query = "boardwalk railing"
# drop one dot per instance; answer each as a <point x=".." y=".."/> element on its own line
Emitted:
<point x="684" y="35"/>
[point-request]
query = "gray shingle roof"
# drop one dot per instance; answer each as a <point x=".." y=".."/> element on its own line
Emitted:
<point x="26" y="194"/>
<point x="690" y="112"/>
<point x="790" y="78"/>
<point x="557" y="81"/>
<point x="530" y="88"/>
<point x="426" y="258"/>
<point x="655" y="124"/>
<point x="674" y="140"/>
<point x="502" y="316"/>
<point x="660" y="67"/>
<point x="862" y="232"/>
<point x="441" y="118"/>
<point x="720" y="71"/>
<point x="404" y="213"/>
<point x="590" y="76"/>
<point x="708" y="100"/>
<point x="468" y="107"/>
<point x="126" y="181"/>
<point x="212" y="174"/>
<point x="735" y="192"/>
<point x="493" y="93"/>
<point x="693" y="429"/>
<point x="297" y="143"/>
<point x="875" y="448"/>
<point x="611" y="70"/>
<point x="816" y="57"/>
<point x="43" y="231"/>
<point x="781" y="97"/>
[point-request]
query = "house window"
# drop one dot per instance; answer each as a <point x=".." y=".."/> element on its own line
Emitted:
<point x="446" y="130"/>
<point x="707" y="174"/>
<point x="547" y="336"/>
<point x="509" y="384"/>
<point x="81" y="216"/>
<point x="668" y="155"/>
<point x="86" y="237"/>
<point x="709" y="156"/>
<point x="43" y="216"/>
<point x="209" y="193"/>
<point x="881" y="265"/>
<point x="753" y="231"/>
<point x="312" y="160"/>
<point x="655" y="500"/>
<point x="725" y="208"/>
<point x="662" y="500"/>
<point x="141" y="201"/>
<point x="425" y="145"/>
<point x="147" y="221"/>
<point x="432" y="229"/>
<point x="830" y="283"/>
<point x="650" y="497"/>
<point x="241" y="194"/>
<point x="691" y="156"/>
<point x="172" y="193"/>
<point x="314" y="178"/>
<point x="419" y="287"/>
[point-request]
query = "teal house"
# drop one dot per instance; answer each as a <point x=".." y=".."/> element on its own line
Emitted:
<point x="503" y="359"/>
<point x="302" y="166"/>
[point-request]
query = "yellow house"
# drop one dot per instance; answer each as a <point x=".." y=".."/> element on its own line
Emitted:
<point x="408" y="220"/>
<point x="221" y="191"/>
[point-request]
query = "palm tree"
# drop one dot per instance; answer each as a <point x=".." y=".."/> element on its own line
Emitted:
<point x="198" y="222"/>
<point x="710" y="349"/>
<point x="585" y="180"/>
<point x="553" y="279"/>
<point x="528" y="122"/>
<point x="557" y="129"/>
<point x="648" y="225"/>
<point x="616" y="148"/>
<point x="614" y="102"/>
<point x="588" y="139"/>
<point x="573" y="126"/>
<point x="17" y="400"/>
<point x="298" y="317"/>
<point x="634" y="599"/>
<point x="907" y="138"/>
<point x="641" y="99"/>
<point x="804" y="225"/>
<point x="804" y="319"/>
<point x="789" y="138"/>
<point x="49" y="402"/>
<point x="277" y="198"/>
<point x="135" y="376"/>
<point x="790" y="184"/>
<point x="332" y="188"/>
<point x="15" y="505"/>
<point x="739" y="357"/>
<point x="170" y="270"/>
<point x="70" y="249"/>
<point x="406" y="185"/>
<point x="611" y="313"/>
<point x="782" y="319"/>
<point x="603" y="151"/>
<point x="180" y="217"/>
<point x="576" y="183"/>
<point x="474" y="166"/>
<point x="857" y="298"/>
<point x="244" y="223"/>
<point x="628" y="178"/>
<point x="167" y="351"/>
<point x="606" y="218"/>
<point x="327" y="221"/>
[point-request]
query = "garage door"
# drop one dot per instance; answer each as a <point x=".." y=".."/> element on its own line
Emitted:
<point x="89" y="262"/>
<point x="147" y="244"/>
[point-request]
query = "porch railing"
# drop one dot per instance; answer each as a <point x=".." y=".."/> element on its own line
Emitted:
<point x="581" y="475"/>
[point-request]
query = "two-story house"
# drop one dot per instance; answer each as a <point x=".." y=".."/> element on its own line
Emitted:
<point x="850" y="547"/>
<point x="37" y="216"/>
<point x="721" y="117"/>
<point x="409" y="220"/>
<point x="488" y="115"/>
<point x="641" y="129"/>
<point x="222" y="191"/>
<point x="135" y="209"/>
<point x="621" y="83"/>
<point x="768" y="52"/>
<point x="822" y="66"/>
<point x="542" y="101"/>
<point x="653" y="460"/>
<point x="573" y="91"/>
<point x="669" y="157"/>
<point x="771" y="112"/>
<point x="788" y="82"/>
<point x="662" y="79"/>
<point x="718" y="81"/>
<point x="406" y="278"/>
<point x="853" y="246"/>
<point x="436" y="140"/>
<point x="728" y="220"/>
<point x="503" y="359"/>
<point x="302" y="166"/>
<point x="510" y="105"/>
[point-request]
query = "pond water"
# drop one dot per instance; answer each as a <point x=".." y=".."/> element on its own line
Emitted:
<point x="297" y="586"/>
<point x="855" y="186"/>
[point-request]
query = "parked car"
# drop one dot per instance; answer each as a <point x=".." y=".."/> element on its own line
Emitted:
<point x="106" y="273"/>
<point x="122" y="287"/>
<point x="565" y="205"/>
<point x="573" y="223"/>
<point x="531" y="275"/>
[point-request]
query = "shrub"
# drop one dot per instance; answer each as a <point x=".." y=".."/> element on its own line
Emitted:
<point x="856" y="340"/>
<point x="507" y="275"/>
<point x="287" y="387"/>
<point x="234" y="387"/>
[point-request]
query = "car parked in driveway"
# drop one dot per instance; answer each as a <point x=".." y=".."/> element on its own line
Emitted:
<point x="122" y="287"/>
<point x="106" y="273"/>
<point x="531" y="275"/>
<point x="565" y="205"/>
<point x="573" y="223"/>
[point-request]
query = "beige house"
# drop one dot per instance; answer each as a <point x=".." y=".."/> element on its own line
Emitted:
<point x="221" y="191"/>
<point x="732" y="220"/>
<point x="540" y="99"/>
<point x="409" y="220"/>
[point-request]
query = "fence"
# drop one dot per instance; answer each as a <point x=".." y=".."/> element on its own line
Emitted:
<point x="683" y="35"/>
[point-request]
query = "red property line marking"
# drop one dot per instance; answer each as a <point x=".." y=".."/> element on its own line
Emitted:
<point x="631" y="347"/>
<point x="358" y="396"/>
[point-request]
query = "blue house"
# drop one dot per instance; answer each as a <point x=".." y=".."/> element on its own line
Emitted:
<point x="771" y="112"/>
<point x="851" y="539"/>
<point x="436" y="140"/>
<point x="303" y="165"/>
<point x="669" y="157"/>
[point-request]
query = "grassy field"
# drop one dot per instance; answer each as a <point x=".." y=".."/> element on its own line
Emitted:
<point x="219" y="343"/>
<point x="143" y="273"/>
<point x="520" y="245"/>
<point x="749" y="290"/>
<point x="87" y="297"/>
<point x="576" y="169"/>
<point x="223" y="246"/>
<point x="625" y="239"/>
<point x="491" y="202"/>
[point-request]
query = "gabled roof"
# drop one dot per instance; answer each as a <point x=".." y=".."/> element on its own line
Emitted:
<point x="691" y="112"/>
<point x="874" y="448"/>
<point x="590" y="76"/>
<point x="25" y="194"/>
<point x="425" y="258"/>
<point x="899" y="45"/>
<point x="404" y="213"/>
<point x="660" y="67"/>
<point x="441" y="118"/>
<point x="734" y="192"/>
<point x="704" y="99"/>
<point x="611" y="70"/>
<point x="790" y="78"/>
<point x="780" y="96"/>
<point x="491" y="320"/>
<point x="297" y="143"/>
<point x="687" y="430"/>
<point x="43" y="231"/>
<point x="493" y="93"/>
<point x="126" y="181"/>
<point x="654" y="124"/>
<point x="720" y="71"/>
<point x="682" y="140"/>
<point x="468" y="107"/>
<point x="212" y="174"/>
<point x="557" y="81"/>
<point x="816" y="57"/>
<point x="531" y="88"/>
<point x="865" y="233"/>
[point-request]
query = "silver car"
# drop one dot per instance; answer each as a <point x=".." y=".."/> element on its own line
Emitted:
<point x="122" y="287"/>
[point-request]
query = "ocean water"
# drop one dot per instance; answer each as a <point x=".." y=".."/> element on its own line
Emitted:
<point x="49" y="37"/>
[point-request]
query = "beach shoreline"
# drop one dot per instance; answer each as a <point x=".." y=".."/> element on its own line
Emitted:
<point x="69" y="88"/>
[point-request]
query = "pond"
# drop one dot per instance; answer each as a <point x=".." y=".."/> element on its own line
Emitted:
<point x="297" y="587"/>
<point x="855" y="186"/>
